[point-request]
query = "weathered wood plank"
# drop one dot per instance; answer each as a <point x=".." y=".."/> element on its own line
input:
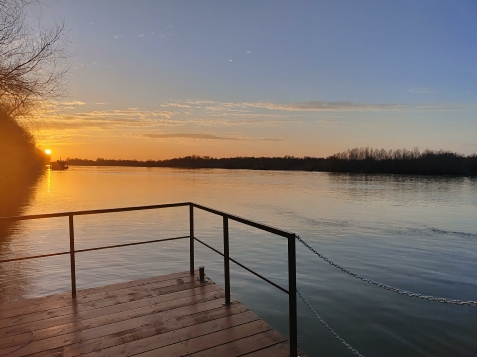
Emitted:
<point x="17" y="308"/>
<point x="140" y="343"/>
<point x="149" y="296"/>
<point x="67" y="295"/>
<point x="279" y="350"/>
<point x="171" y="315"/>
<point x="210" y="340"/>
<point x="59" y="340"/>
<point x="157" y="304"/>
<point x="242" y="346"/>
<point x="114" y="327"/>
<point x="130" y="335"/>
<point x="75" y="317"/>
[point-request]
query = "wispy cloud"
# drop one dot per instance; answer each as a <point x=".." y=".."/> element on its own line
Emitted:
<point x="187" y="136"/>
<point x="113" y="121"/>
<point x="311" y="106"/>
<point x="132" y="114"/>
<point x="271" y="139"/>
<point x="321" y="106"/>
<point x="73" y="103"/>
<point x="179" y="114"/>
<point x="204" y="137"/>
<point x="177" y="105"/>
<point x="318" y="106"/>
<point x="195" y="116"/>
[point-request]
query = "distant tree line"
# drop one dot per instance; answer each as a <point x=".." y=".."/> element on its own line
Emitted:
<point x="359" y="160"/>
<point x="404" y="161"/>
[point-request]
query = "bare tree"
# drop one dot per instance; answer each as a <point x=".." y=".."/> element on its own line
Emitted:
<point x="33" y="59"/>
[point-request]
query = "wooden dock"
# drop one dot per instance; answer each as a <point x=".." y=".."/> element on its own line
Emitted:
<point x="170" y="315"/>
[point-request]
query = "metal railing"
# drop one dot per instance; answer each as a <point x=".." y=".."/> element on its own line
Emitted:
<point x="292" y="298"/>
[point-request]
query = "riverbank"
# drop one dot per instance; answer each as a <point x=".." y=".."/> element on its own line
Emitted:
<point x="19" y="154"/>
<point x="402" y="162"/>
<point x="21" y="165"/>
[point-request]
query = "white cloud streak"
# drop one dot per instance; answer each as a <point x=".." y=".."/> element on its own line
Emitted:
<point x="68" y="121"/>
<point x="310" y="106"/>
<point x="187" y="136"/>
<point x="204" y="137"/>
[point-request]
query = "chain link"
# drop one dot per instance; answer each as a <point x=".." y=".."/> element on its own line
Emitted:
<point x="387" y="287"/>
<point x="327" y="326"/>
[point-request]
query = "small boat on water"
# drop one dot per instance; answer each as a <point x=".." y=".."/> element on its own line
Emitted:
<point x="58" y="165"/>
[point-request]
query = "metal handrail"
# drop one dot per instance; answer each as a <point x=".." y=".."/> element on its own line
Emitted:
<point x="263" y="227"/>
<point x="292" y="300"/>
<point x="92" y="249"/>
<point x="243" y="266"/>
<point x="95" y="211"/>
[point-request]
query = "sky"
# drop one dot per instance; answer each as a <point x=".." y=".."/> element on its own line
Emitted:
<point x="162" y="79"/>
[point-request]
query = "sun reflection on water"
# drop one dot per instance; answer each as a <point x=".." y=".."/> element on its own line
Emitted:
<point x="48" y="179"/>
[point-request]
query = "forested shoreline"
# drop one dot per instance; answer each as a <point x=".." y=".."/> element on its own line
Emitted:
<point x="33" y="62"/>
<point x="21" y="165"/>
<point x="358" y="160"/>
<point x="20" y="154"/>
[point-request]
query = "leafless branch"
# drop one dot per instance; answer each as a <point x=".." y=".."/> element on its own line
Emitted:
<point x="33" y="61"/>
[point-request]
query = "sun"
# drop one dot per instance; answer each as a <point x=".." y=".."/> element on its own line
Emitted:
<point x="48" y="151"/>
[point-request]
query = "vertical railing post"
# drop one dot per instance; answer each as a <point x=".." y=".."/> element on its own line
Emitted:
<point x="72" y="257"/>
<point x="191" y="234"/>
<point x="226" y="260"/>
<point x="292" y="313"/>
<point x="202" y="274"/>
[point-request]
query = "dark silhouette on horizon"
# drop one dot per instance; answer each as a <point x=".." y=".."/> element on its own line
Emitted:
<point x="357" y="160"/>
<point x="33" y="64"/>
<point x="21" y="165"/>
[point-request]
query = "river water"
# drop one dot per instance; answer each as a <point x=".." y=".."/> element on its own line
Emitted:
<point x="416" y="233"/>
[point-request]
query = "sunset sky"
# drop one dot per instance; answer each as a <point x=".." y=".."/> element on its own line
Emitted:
<point x="162" y="79"/>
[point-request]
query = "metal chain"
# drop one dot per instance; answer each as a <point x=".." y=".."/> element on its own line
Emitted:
<point x="328" y="327"/>
<point x="387" y="287"/>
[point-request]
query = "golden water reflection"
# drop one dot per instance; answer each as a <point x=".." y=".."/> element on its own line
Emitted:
<point x="48" y="179"/>
<point x="16" y="194"/>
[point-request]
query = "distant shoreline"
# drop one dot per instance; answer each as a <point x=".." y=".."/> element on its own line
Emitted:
<point x="428" y="163"/>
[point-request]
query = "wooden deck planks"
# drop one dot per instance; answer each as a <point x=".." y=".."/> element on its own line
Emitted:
<point x="135" y="308"/>
<point x="210" y="340"/>
<point x="127" y="300"/>
<point x="170" y="315"/>
<point x="97" y="327"/>
<point x="175" y="339"/>
<point x="239" y="347"/>
<point x="66" y="297"/>
<point x="55" y="317"/>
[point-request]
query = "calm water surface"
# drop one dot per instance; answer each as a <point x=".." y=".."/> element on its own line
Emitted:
<point x="413" y="232"/>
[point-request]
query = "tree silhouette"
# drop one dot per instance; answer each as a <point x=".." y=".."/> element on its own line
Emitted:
<point x="33" y="59"/>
